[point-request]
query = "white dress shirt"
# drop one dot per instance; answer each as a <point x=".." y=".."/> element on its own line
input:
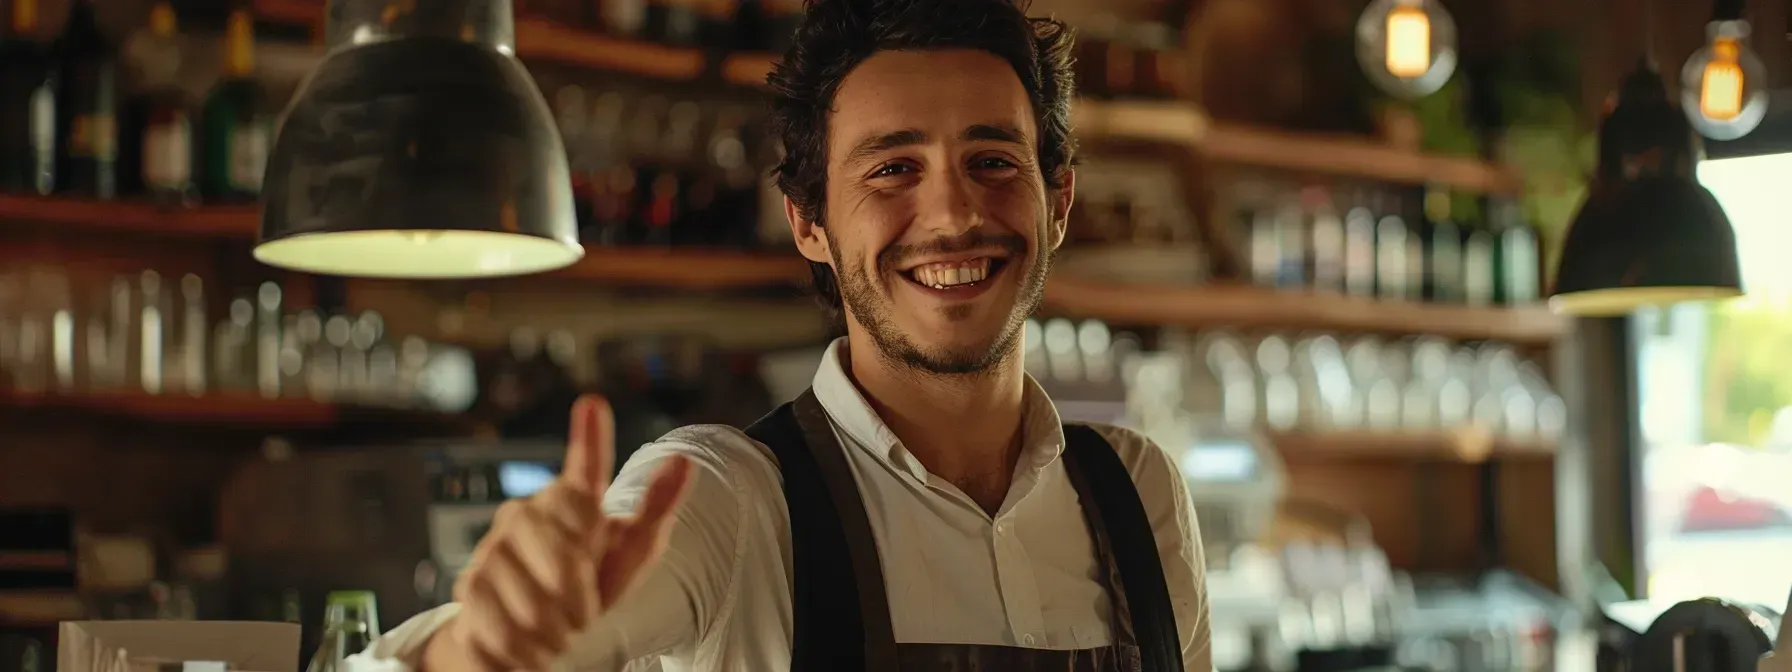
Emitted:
<point x="719" y="599"/>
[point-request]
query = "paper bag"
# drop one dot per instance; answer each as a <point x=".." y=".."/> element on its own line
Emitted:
<point x="177" y="646"/>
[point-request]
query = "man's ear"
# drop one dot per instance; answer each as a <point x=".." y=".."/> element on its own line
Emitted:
<point x="811" y="240"/>
<point x="1060" y="203"/>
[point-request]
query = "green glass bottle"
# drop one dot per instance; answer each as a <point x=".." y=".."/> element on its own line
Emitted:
<point x="27" y="106"/>
<point x="87" y="107"/>
<point x="237" y="127"/>
<point x="351" y="623"/>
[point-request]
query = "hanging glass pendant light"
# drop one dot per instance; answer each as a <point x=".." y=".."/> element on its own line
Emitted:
<point x="419" y="148"/>
<point x="1406" y="47"/>
<point x="1723" y="87"/>
<point x="1649" y="233"/>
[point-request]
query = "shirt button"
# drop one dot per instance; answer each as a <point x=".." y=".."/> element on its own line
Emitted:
<point x="1027" y="639"/>
<point x="1001" y="528"/>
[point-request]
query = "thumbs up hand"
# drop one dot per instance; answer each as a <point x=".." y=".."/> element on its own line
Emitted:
<point x="551" y="564"/>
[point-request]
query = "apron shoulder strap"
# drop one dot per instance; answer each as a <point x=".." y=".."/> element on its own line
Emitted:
<point x="840" y="612"/>
<point x="1092" y="460"/>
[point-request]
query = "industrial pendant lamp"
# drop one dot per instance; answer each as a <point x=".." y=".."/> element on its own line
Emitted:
<point x="1649" y="233"/>
<point x="419" y="148"/>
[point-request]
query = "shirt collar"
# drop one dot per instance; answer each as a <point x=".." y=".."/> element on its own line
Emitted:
<point x="1042" y="434"/>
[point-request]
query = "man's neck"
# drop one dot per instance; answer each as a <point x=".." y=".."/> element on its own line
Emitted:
<point x="965" y="428"/>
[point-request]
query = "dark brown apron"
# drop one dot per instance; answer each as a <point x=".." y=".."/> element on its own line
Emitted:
<point x="839" y="601"/>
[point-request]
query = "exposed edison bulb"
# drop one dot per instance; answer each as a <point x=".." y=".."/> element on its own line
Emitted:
<point x="1723" y="85"/>
<point x="1407" y="47"/>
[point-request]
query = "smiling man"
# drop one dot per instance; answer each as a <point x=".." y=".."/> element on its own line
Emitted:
<point x="922" y="506"/>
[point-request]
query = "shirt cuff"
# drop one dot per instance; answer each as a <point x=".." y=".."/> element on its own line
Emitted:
<point x="401" y="649"/>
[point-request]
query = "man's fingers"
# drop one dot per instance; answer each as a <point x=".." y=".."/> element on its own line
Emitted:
<point x="635" y="541"/>
<point x="491" y="630"/>
<point x="670" y="481"/>
<point x="529" y="603"/>
<point x="591" y="446"/>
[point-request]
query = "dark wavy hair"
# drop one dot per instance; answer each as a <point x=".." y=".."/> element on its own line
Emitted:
<point x="836" y="35"/>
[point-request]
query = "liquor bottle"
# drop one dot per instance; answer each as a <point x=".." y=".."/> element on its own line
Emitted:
<point x="1359" y="250"/>
<point x="715" y="23"/>
<point x="781" y="19"/>
<point x="1516" y="256"/>
<point x="87" y="107"/>
<point x="1478" y="268"/>
<point x="647" y="136"/>
<point x="1292" y="238"/>
<point x="735" y="211"/>
<point x="27" y="106"/>
<point x="1443" y="250"/>
<point x="1392" y="252"/>
<point x="1325" y="250"/>
<point x="237" y="127"/>
<point x="673" y="22"/>
<point x="612" y="178"/>
<point x="156" y="131"/>
<point x="623" y="18"/>
<point x="749" y="25"/>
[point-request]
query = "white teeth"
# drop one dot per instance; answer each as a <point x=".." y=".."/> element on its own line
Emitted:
<point x="943" y="275"/>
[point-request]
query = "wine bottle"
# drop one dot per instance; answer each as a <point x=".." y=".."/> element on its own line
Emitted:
<point x="27" y="106"/>
<point x="1516" y="256"/>
<point x="237" y="128"/>
<point x="781" y="19"/>
<point x="87" y="107"/>
<point x="1443" y="250"/>
<point x="673" y="22"/>
<point x="156" y="133"/>
<point x="715" y="23"/>
<point x="623" y="18"/>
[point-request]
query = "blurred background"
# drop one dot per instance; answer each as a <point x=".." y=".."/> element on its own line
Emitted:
<point x="1315" y="275"/>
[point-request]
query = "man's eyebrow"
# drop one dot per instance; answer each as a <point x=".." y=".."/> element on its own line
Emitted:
<point x="884" y="142"/>
<point x="995" y="132"/>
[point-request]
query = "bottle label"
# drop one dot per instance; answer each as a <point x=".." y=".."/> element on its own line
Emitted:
<point x="248" y="155"/>
<point x="43" y="135"/>
<point x="626" y="17"/>
<point x="93" y="136"/>
<point x="168" y="153"/>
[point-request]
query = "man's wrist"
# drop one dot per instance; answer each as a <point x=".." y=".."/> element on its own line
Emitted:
<point x="442" y="651"/>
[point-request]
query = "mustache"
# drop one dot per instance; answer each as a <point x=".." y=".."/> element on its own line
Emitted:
<point x="976" y="239"/>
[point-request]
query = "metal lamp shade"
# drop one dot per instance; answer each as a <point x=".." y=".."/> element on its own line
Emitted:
<point x="1652" y="241"/>
<point x="1649" y="233"/>
<point x="419" y="148"/>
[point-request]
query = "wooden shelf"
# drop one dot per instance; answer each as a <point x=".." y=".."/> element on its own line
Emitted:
<point x="1468" y="445"/>
<point x="538" y="40"/>
<point x="678" y="268"/>
<point x="133" y="216"/>
<point x="242" y="410"/>
<point x="544" y="41"/>
<point x="1182" y="124"/>
<point x="747" y="69"/>
<point x="1255" y="307"/>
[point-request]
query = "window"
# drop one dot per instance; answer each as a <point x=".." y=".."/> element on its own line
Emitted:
<point x="1715" y="396"/>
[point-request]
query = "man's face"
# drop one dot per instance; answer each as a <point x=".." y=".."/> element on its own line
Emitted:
<point x="938" y="223"/>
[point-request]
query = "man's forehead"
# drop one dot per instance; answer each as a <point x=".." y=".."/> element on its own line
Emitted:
<point x="935" y="94"/>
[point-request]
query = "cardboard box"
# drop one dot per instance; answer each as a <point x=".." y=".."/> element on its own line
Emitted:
<point x="177" y="646"/>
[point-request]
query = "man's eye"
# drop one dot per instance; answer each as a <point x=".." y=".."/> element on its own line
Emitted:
<point x="891" y="170"/>
<point x="992" y="163"/>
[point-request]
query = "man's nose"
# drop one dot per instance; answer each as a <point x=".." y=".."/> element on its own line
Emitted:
<point x="949" y="204"/>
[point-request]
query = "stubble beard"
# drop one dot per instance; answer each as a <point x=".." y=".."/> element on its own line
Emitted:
<point x="872" y="311"/>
